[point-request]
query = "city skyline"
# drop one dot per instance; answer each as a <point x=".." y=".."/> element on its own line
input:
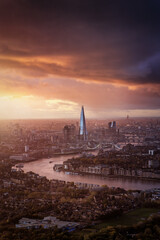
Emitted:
<point x="56" y="56"/>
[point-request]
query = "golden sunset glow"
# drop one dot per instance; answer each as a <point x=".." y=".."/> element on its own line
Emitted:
<point x="51" y="65"/>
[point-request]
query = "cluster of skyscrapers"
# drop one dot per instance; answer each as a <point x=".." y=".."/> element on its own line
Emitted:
<point x="70" y="131"/>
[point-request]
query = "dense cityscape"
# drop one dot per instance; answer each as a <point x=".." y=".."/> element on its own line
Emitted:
<point x="126" y="148"/>
<point x="79" y="120"/>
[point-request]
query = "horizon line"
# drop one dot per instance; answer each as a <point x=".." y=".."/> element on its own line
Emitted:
<point x="89" y="118"/>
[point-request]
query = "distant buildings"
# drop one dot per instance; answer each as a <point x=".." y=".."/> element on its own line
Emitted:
<point x="69" y="132"/>
<point x="112" y="126"/>
<point x="82" y="127"/>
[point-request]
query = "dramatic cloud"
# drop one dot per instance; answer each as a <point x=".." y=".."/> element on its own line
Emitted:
<point x="103" y="54"/>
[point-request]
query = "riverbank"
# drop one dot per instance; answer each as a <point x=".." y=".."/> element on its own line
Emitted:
<point x="55" y="155"/>
<point x="111" y="175"/>
<point x="43" y="167"/>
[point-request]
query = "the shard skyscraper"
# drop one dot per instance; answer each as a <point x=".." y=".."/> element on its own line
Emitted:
<point x="82" y="127"/>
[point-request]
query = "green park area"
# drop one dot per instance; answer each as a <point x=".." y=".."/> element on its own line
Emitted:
<point x="127" y="219"/>
<point x="130" y="218"/>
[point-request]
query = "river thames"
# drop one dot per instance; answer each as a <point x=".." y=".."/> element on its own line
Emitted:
<point x="44" y="167"/>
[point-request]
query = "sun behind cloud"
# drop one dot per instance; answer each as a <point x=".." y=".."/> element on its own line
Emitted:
<point x="58" y="55"/>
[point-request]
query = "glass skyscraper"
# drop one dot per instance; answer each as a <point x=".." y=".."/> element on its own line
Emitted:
<point x="82" y="127"/>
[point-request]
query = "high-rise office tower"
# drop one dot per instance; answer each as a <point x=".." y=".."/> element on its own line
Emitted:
<point x="112" y="126"/>
<point x="69" y="132"/>
<point x="82" y="127"/>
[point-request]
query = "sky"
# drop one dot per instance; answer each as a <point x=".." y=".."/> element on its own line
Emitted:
<point x="57" y="55"/>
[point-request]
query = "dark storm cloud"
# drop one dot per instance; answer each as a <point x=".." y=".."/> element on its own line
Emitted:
<point x="107" y="40"/>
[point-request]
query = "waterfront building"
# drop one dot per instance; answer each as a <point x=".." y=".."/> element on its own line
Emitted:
<point x="82" y="127"/>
